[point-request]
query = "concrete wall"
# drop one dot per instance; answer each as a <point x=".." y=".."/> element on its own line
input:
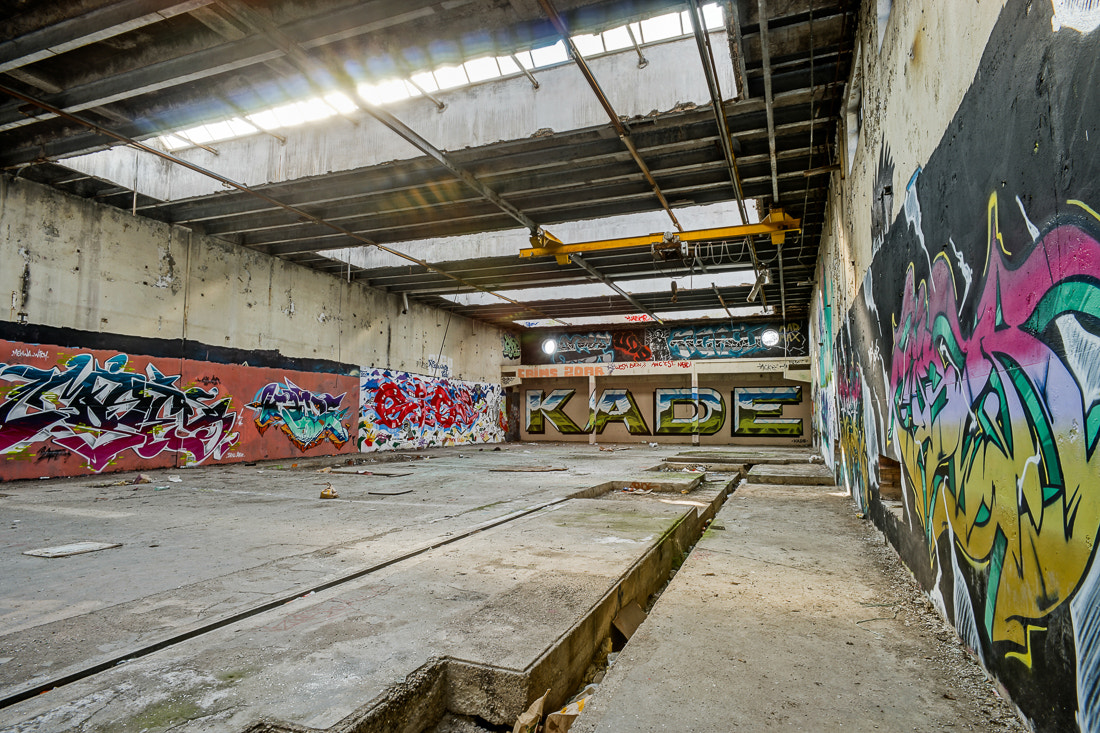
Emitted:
<point x="956" y="329"/>
<point x="106" y="308"/>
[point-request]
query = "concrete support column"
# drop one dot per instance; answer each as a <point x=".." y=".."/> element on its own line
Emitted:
<point x="591" y="401"/>
<point x="695" y="399"/>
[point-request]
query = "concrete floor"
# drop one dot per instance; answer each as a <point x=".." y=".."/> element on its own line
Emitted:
<point x="458" y="579"/>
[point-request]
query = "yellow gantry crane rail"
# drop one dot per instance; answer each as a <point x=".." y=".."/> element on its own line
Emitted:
<point x="777" y="223"/>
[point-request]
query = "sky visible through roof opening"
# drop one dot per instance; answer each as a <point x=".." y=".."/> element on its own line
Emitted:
<point x="650" y="30"/>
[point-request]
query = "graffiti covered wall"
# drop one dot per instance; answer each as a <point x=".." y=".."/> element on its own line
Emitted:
<point x="747" y="410"/>
<point x="664" y="343"/>
<point x="970" y="354"/>
<point x="399" y="410"/>
<point x="71" y="412"/>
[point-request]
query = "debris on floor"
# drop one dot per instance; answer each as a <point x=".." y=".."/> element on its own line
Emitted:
<point x="528" y="721"/>
<point x="629" y="619"/>
<point x="75" y="548"/>
<point x="562" y="720"/>
<point x="390" y="493"/>
<point x="329" y="493"/>
<point x="526" y="469"/>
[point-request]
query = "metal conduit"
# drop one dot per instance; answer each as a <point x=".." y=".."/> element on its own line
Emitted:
<point x="260" y="195"/>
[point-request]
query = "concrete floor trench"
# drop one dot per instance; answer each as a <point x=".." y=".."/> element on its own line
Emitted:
<point x="444" y="589"/>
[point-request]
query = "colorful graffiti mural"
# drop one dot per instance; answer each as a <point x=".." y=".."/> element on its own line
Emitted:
<point x="706" y="411"/>
<point x="402" y="410"/>
<point x="509" y="345"/>
<point x="758" y="411"/>
<point x="658" y="343"/>
<point x="304" y="417"/>
<point x="613" y="406"/>
<point x="998" y="429"/>
<point x="971" y="356"/>
<point x="727" y="341"/>
<point x="99" y="411"/>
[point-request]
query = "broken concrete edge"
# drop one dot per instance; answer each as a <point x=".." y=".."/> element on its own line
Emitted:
<point x="670" y="466"/>
<point x="678" y="485"/>
<point x="561" y="666"/>
<point x="499" y="695"/>
<point x="87" y="668"/>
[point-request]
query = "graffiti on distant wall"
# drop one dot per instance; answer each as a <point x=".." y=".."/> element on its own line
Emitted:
<point x="402" y="410"/>
<point x="758" y="411"/>
<point x="629" y="346"/>
<point x="305" y="417"/>
<point x="509" y="345"/>
<point x="704" y="411"/>
<point x="661" y="343"/>
<point x="583" y="348"/>
<point x="724" y="341"/>
<point x="99" y="411"/>
<point x="971" y="355"/>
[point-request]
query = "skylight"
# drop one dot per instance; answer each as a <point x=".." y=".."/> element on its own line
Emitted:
<point x="473" y="71"/>
<point x="641" y="318"/>
<point x="738" y="278"/>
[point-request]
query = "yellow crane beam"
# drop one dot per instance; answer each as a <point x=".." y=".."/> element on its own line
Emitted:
<point x="777" y="223"/>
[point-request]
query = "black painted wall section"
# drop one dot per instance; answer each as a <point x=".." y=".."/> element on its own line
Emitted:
<point x="972" y="356"/>
<point x="167" y="348"/>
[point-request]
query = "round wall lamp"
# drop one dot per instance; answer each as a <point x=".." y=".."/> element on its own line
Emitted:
<point x="549" y="346"/>
<point x="770" y="338"/>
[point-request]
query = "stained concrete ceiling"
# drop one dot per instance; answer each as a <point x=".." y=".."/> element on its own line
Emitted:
<point x="142" y="68"/>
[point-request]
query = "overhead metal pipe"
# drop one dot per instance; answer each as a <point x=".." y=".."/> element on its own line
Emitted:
<point x="642" y="60"/>
<point x="620" y="127"/>
<point x="766" y="58"/>
<point x="301" y="213"/>
<point x="530" y="77"/>
<point x="706" y="56"/>
<point x="722" y="300"/>
<point x="582" y="263"/>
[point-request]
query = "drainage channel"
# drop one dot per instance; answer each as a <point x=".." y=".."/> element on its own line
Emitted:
<point x="488" y="697"/>
<point x="94" y="669"/>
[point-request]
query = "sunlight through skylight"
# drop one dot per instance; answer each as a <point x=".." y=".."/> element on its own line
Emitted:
<point x="473" y="71"/>
<point x="712" y="314"/>
<point x="687" y="283"/>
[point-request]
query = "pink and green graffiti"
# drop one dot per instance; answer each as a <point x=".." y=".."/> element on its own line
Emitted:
<point x="998" y="429"/>
<point x="307" y="419"/>
<point x="98" y="412"/>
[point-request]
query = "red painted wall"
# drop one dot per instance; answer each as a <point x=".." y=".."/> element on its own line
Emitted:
<point x="70" y="412"/>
